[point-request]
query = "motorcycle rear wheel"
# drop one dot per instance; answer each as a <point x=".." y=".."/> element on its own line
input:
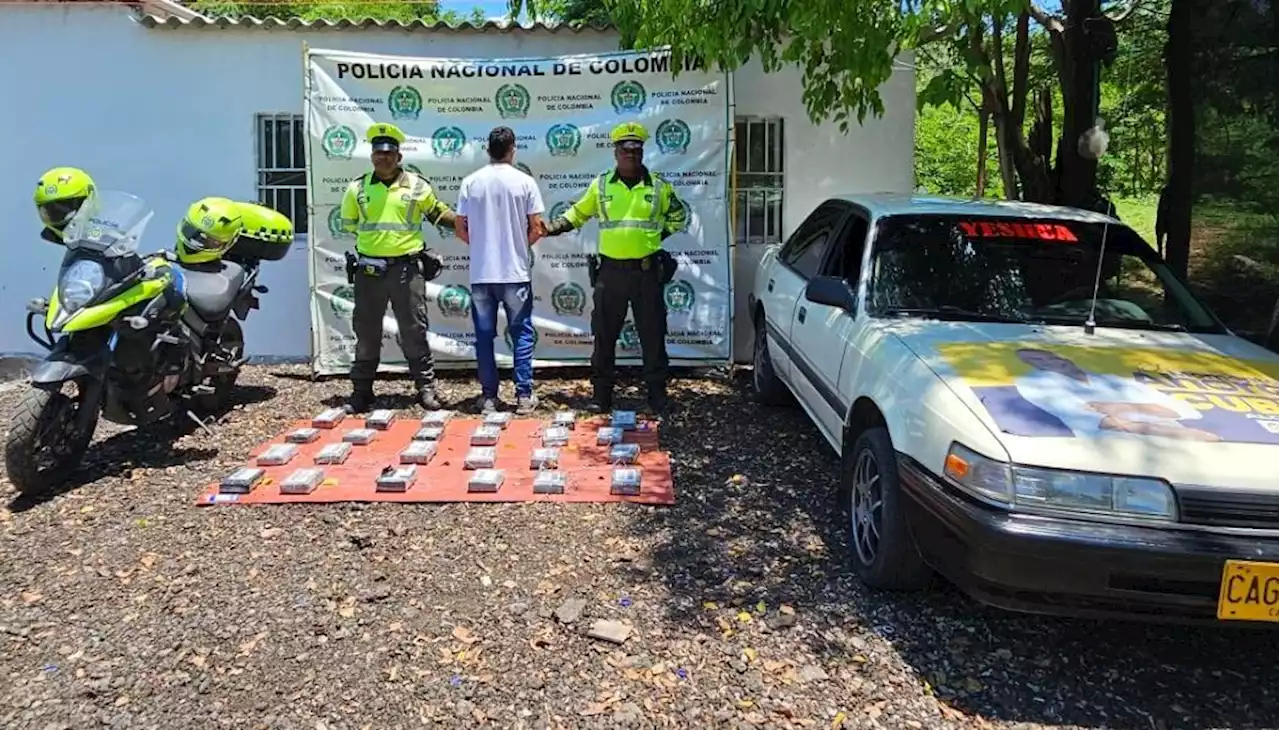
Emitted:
<point x="232" y="342"/>
<point x="43" y="447"/>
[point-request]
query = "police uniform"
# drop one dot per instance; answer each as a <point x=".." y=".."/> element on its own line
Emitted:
<point x="631" y="270"/>
<point x="388" y="266"/>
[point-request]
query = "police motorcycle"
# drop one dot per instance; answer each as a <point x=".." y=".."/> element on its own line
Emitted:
<point x="133" y="339"/>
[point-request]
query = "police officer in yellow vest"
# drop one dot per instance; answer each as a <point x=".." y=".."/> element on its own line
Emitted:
<point x="637" y="211"/>
<point x="385" y="209"/>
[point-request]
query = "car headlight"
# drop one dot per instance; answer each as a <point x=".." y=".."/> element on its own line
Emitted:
<point x="79" y="284"/>
<point x="1034" y="489"/>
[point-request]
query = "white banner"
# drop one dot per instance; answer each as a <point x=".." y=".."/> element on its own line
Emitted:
<point x="562" y="110"/>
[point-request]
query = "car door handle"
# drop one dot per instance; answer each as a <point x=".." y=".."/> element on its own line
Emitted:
<point x="801" y="317"/>
<point x="771" y="285"/>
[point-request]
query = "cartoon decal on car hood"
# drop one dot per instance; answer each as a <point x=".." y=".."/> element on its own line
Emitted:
<point x="1040" y="389"/>
<point x="1190" y="409"/>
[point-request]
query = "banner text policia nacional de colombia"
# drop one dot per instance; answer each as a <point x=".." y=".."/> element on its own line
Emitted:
<point x="562" y="110"/>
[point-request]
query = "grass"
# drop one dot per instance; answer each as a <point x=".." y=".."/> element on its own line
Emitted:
<point x="1140" y="215"/>
<point x="1234" y="257"/>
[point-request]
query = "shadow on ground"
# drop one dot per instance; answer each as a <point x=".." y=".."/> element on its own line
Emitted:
<point x="151" y="447"/>
<point x="780" y="538"/>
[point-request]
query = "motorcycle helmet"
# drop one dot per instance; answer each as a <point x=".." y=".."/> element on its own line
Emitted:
<point x="209" y="230"/>
<point x="59" y="194"/>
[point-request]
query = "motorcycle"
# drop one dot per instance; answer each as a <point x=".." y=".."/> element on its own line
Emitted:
<point x="131" y="339"/>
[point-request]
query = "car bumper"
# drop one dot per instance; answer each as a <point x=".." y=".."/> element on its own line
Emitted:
<point x="1072" y="568"/>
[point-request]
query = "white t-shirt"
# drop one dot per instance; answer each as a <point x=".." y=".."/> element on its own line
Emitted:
<point x="1069" y="399"/>
<point x="497" y="200"/>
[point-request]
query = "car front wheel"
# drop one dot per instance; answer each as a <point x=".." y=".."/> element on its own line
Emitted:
<point x="769" y="389"/>
<point x="884" y="551"/>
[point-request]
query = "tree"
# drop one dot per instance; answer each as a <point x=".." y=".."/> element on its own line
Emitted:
<point x="428" y="11"/>
<point x="573" y="12"/>
<point x="1176" y="199"/>
<point x="846" y="50"/>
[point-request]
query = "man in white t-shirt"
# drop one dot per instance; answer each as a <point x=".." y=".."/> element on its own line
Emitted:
<point x="500" y="218"/>
<point x="1092" y="404"/>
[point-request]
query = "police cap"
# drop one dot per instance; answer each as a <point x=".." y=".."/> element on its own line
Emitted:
<point x="385" y="137"/>
<point x="629" y="132"/>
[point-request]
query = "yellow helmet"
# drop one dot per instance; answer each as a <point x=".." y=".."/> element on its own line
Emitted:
<point x="265" y="224"/>
<point x="629" y="132"/>
<point x="384" y="137"/>
<point x="59" y="194"/>
<point x="209" y="230"/>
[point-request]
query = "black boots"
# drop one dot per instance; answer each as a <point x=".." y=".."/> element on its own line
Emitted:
<point x="658" y="401"/>
<point x="601" y="399"/>
<point x="361" y="399"/>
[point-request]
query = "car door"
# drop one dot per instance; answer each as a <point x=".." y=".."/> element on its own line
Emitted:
<point x="785" y="285"/>
<point x="824" y="335"/>
<point x="796" y="265"/>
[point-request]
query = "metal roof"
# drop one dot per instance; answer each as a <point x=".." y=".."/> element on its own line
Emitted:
<point x="158" y="8"/>
<point x="272" y="23"/>
<point x="885" y="204"/>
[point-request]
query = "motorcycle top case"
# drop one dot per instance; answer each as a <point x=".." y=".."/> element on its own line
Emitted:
<point x="267" y="234"/>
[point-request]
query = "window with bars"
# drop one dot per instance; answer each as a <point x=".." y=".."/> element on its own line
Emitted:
<point x="758" y="152"/>
<point x="282" y="166"/>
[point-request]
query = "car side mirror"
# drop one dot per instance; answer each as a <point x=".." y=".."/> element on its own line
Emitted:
<point x="832" y="291"/>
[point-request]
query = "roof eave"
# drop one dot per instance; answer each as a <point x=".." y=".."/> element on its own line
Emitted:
<point x="169" y="9"/>
<point x="173" y="21"/>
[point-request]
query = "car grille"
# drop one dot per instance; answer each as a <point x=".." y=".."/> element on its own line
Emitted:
<point x="1219" y="508"/>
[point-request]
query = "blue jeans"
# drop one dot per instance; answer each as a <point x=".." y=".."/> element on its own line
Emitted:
<point x="517" y="304"/>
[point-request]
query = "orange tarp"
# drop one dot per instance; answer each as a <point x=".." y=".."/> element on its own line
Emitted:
<point x="444" y="479"/>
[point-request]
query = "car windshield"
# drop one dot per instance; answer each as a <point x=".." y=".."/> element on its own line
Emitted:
<point x="980" y="268"/>
<point x="110" y="222"/>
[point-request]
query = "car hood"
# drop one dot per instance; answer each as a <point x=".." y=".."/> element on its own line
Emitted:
<point x="1191" y="409"/>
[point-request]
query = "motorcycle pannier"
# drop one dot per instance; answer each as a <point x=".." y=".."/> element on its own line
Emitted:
<point x="267" y="234"/>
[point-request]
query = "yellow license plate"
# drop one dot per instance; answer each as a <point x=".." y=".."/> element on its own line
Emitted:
<point x="1248" y="591"/>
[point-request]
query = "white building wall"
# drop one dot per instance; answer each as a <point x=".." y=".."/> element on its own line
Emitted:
<point x="168" y="114"/>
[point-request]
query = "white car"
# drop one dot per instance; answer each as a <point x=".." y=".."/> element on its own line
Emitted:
<point x="1051" y="429"/>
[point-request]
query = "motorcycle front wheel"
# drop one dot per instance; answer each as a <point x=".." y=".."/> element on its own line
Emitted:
<point x="44" y="446"/>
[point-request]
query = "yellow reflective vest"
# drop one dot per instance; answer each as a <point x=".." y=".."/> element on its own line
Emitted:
<point x="387" y="220"/>
<point x="633" y="221"/>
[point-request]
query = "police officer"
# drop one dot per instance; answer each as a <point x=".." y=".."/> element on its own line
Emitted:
<point x="385" y="208"/>
<point x="59" y="194"/>
<point x="637" y="211"/>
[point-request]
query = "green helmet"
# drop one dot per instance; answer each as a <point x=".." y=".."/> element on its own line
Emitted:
<point x="59" y="194"/>
<point x="209" y="230"/>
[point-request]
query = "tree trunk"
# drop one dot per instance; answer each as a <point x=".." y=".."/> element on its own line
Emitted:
<point x="983" y="121"/>
<point x="1077" y="175"/>
<point x="1006" y="149"/>
<point x="1182" y="131"/>
<point x="1034" y="169"/>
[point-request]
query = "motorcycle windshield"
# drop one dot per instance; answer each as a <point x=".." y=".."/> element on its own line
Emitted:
<point x="110" y="222"/>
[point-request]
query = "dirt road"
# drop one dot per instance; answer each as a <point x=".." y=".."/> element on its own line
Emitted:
<point x="123" y="605"/>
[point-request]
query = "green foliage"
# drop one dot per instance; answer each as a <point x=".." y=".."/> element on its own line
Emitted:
<point x="1133" y="105"/>
<point x="428" y="12"/>
<point x="572" y="12"/>
<point x="1234" y="53"/>
<point x="947" y="152"/>
<point x="846" y="48"/>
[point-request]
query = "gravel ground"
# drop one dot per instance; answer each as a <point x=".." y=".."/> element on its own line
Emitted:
<point x="122" y="604"/>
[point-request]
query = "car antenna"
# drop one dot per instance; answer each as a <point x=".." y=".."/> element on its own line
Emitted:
<point x="1090" y="324"/>
<point x="1093" y="145"/>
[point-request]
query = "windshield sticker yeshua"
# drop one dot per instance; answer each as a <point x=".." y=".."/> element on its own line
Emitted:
<point x="1003" y="229"/>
